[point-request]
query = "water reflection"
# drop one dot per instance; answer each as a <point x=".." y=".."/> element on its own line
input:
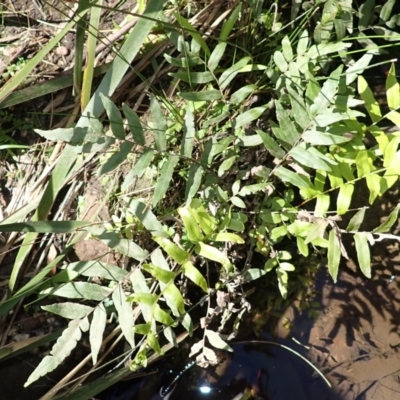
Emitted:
<point x="255" y="370"/>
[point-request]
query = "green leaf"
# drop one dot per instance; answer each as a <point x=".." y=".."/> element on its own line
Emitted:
<point x="142" y="329"/>
<point x="363" y="253"/>
<point x="334" y="255"/>
<point x="317" y="138"/>
<point x="366" y="12"/>
<point x="299" y="110"/>
<point x="195" y="176"/>
<point x="288" y="133"/>
<point x="161" y="316"/>
<point x="193" y="77"/>
<point x="287" y="49"/>
<point x="191" y="30"/>
<point x="141" y="164"/>
<point x="68" y="310"/>
<point x="147" y="218"/>
<point x="146" y="298"/>
<point x="187" y="62"/>
<point x="282" y="282"/>
<point x="158" y="125"/>
<point x="61" y="350"/>
<point x="97" y="328"/>
<point x="125" y="315"/>
<point x="114" y="117"/>
<point x="96" y="269"/>
<point x="271" y="145"/>
<point x="44" y="226"/>
<point x="249" y="140"/>
<point x="228" y="75"/>
<point x="344" y="198"/>
<point x="205" y="95"/>
<point x="206" y="222"/>
<point x="251" y="189"/>
<point x="191" y="272"/>
<point x="123" y="246"/>
<point x="304" y="157"/>
<point x="215" y="340"/>
<point x="280" y="61"/>
<point x="252" y="274"/>
<point x="238" y="202"/>
<point x="175" y="252"/>
<point x="135" y="125"/>
<point x="116" y="159"/>
<point x="392" y="89"/>
<point x="385" y="226"/>
<point x="302" y="44"/>
<point x="189" y="133"/>
<point x="153" y="343"/>
<point x="248" y="116"/>
<point x="225" y="165"/>
<point x="386" y="10"/>
<point x="192" y="228"/>
<point x="291" y="177"/>
<point x="317" y="230"/>
<point x="227" y="237"/>
<point x="164" y="179"/>
<point x="327" y="93"/>
<point x="212" y="253"/>
<point x="174" y="299"/>
<point x="160" y="274"/>
<point x="79" y="290"/>
<point x="242" y="94"/>
<point x="230" y="23"/>
<point x="371" y="105"/>
<point x="302" y="247"/>
<point x="356" y="220"/>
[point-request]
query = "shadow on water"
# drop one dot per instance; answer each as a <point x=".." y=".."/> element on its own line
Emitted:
<point x="355" y="340"/>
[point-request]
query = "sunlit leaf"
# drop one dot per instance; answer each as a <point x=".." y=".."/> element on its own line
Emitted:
<point x="253" y="274"/>
<point x="97" y="328"/>
<point x="125" y="315"/>
<point x="215" y="340"/>
<point x="161" y="316"/>
<point x="363" y="253"/>
<point x="227" y="237"/>
<point x="61" y="350"/>
<point x="160" y="274"/>
<point x="158" y="125"/>
<point x="323" y="138"/>
<point x="114" y="117"/>
<point x="191" y="272"/>
<point x="147" y="217"/>
<point x="68" y="310"/>
<point x="371" y="105"/>
<point x="327" y="93"/>
<point x="205" y="95"/>
<point x="79" y="290"/>
<point x="391" y="220"/>
<point x="177" y="254"/>
<point x="356" y="220"/>
<point x="228" y="75"/>
<point x="392" y="89"/>
<point x="212" y="253"/>
<point x="192" y="228"/>
<point x="291" y="177"/>
<point x="344" y="198"/>
<point x="334" y="255"/>
<point x="135" y="125"/>
<point x="164" y="179"/>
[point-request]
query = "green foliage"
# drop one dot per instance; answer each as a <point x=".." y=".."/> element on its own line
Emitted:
<point x="234" y="169"/>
